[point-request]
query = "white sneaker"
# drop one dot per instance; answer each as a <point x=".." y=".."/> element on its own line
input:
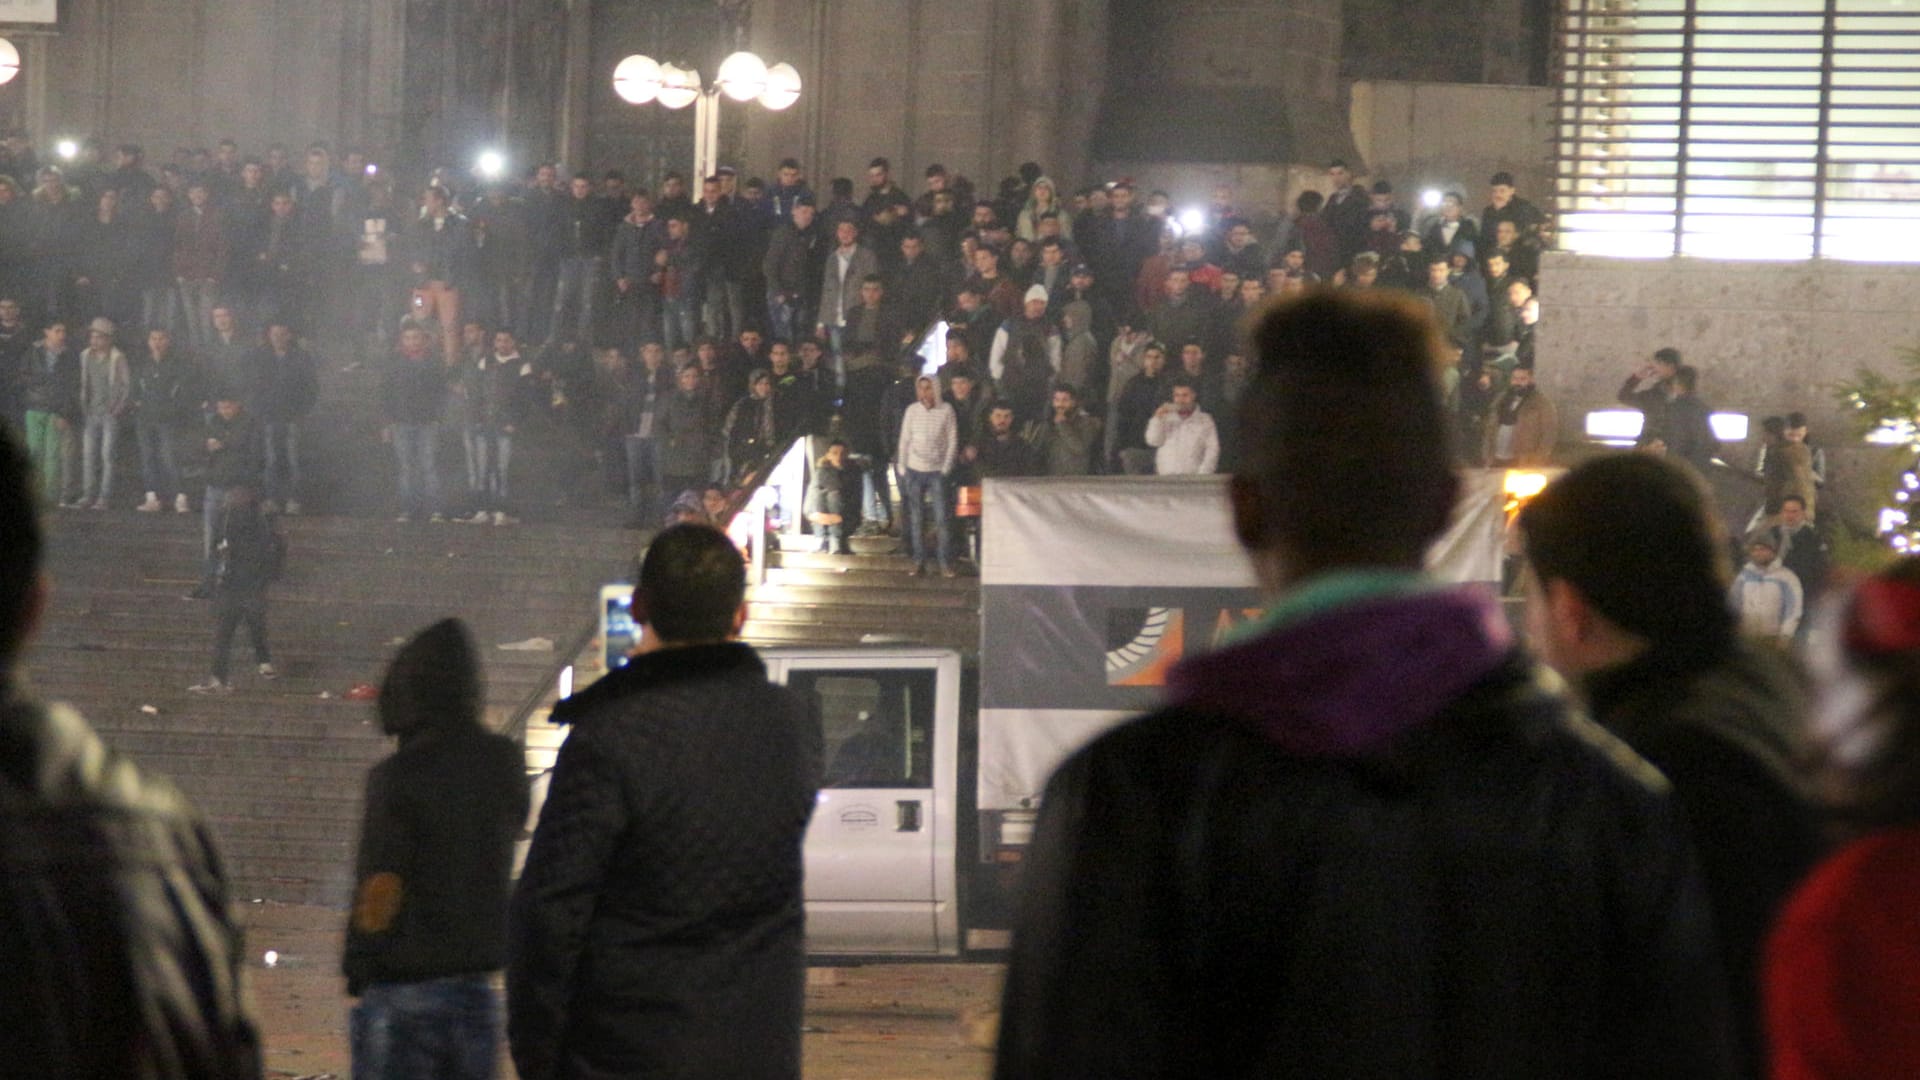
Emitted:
<point x="500" y="518"/>
<point x="293" y="506"/>
<point x="151" y="505"/>
<point x="97" y="504"/>
<point x="438" y="519"/>
<point x="211" y="686"/>
<point x="181" y="505"/>
<point x="480" y="517"/>
<point x="267" y="672"/>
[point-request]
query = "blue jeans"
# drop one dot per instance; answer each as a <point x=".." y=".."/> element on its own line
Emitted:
<point x="157" y="465"/>
<point x="578" y="288"/>
<point x="283" y="461"/>
<point x="726" y="308"/>
<point x="100" y="437"/>
<point x="413" y="447"/>
<point x="931" y="486"/>
<point x="444" y="1029"/>
<point x="781" y="317"/>
<point x="876" y="503"/>
<point x="644" y="486"/>
<point x="489" y="453"/>
<point x="677" y="327"/>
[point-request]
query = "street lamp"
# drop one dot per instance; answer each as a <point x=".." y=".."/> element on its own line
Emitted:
<point x="743" y="77"/>
<point x="9" y="61"/>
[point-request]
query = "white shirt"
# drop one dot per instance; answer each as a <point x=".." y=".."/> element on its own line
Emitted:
<point x="1187" y="445"/>
<point x="929" y="438"/>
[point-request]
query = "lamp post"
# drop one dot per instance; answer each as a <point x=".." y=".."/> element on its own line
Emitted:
<point x="743" y="77"/>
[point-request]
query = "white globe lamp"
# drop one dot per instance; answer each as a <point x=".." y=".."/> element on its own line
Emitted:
<point x="783" y="87"/>
<point x="637" y="79"/>
<point x="743" y="76"/>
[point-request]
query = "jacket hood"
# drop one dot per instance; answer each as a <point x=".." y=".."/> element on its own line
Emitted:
<point x="1346" y="682"/>
<point x="433" y="683"/>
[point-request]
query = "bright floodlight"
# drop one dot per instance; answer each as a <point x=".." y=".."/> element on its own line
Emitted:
<point x="1193" y="220"/>
<point x="67" y="149"/>
<point x="743" y="76"/>
<point x="637" y="79"/>
<point x="783" y="87"/>
<point x="9" y="61"/>
<point x="1430" y="198"/>
<point x="678" y="87"/>
<point x="1615" y="427"/>
<point x="491" y="164"/>
<point x="1729" y="427"/>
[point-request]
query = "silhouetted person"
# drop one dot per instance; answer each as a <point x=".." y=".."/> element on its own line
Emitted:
<point x="120" y="953"/>
<point x="1627" y="597"/>
<point x="658" y="928"/>
<point x="429" y="921"/>
<point x="1364" y="840"/>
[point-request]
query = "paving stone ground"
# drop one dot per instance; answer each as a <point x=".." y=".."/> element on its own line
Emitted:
<point x="876" y="1022"/>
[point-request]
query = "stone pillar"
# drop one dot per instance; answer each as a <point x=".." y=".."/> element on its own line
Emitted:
<point x="572" y="140"/>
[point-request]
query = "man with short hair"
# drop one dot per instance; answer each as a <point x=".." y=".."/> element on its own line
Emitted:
<point x="1184" y="438"/>
<point x="1000" y="451"/>
<point x="658" y="928"/>
<point x="1139" y="400"/>
<point x="1503" y="204"/>
<point x="845" y="268"/>
<point x="1627" y="598"/>
<point x="792" y="267"/>
<point x="1686" y="425"/>
<point x="586" y="235"/>
<point x="1323" y="826"/>
<point x="413" y="398"/>
<point x="167" y="397"/>
<point x="284" y="388"/>
<point x="1803" y="549"/>
<point x="928" y="445"/>
<point x="1521" y="427"/>
<point x="1067" y="441"/>
<point x="113" y="897"/>
<point x="51" y="395"/>
<point x="234" y="460"/>
<point x="1450" y="306"/>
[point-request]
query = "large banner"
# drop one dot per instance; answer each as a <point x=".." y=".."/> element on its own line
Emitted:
<point x="1093" y="587"/>
<point x="29" y="11"/>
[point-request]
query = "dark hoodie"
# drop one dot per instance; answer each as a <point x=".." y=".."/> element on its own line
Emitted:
<point x="1367" y="843"/>
<point x="442" y="813"/>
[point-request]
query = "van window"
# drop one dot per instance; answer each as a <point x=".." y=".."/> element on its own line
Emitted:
<point x="877" y="725"/>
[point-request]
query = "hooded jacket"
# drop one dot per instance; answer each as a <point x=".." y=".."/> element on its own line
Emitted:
<point x="115" y="931"/>
<point x="442" y="813"/>
<point x="1368" y="843"/>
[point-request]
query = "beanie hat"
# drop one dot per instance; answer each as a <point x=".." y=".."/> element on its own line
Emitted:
<point x="1037" y="292"/>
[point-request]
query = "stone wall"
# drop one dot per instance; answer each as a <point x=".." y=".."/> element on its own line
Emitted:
<point x="1768" y="338"/>
<point x="1450" y="135"/>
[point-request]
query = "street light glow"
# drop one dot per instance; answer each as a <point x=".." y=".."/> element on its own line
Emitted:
<point x="637" y="79"/>
<point x="743" y="76"/>
<point x="679" y="87"/>
<point x="1430" y="198"/>
<point x="783" y="87"/>
<point x="9" y="61"/>
<point x="67" y="149"/>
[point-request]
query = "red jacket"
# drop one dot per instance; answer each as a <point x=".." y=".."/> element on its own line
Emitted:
<point x="1843" y="966"/>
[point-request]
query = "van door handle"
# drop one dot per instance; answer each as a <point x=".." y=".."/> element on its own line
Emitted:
<point x="907" y="815"/>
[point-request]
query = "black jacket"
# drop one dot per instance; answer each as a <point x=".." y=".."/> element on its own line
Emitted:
<point x="246" y="547"/>
<point x="442" y="813"/>
<point x="167" y="391"/>
<point x="658" y="928"/>
<point x="115" y="931"/>
<point x="284" y="388"/>
<point x="1500" y="893"/>
<point x="1727" y="733"/>
<point x="415" y="391"/>
<point x="242" y="456"/>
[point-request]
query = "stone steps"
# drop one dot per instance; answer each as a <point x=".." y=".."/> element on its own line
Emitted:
<point x="277" y="768"/>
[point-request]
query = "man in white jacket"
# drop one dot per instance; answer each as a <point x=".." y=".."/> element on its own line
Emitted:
<point x="1766" y="596"/>
<point x="1185" y="440"/>
<point x="929" y="441"/>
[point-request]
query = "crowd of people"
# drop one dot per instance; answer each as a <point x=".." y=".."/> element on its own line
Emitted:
<point x="1107" y="325"/>
<point x="1365" y="838"/>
